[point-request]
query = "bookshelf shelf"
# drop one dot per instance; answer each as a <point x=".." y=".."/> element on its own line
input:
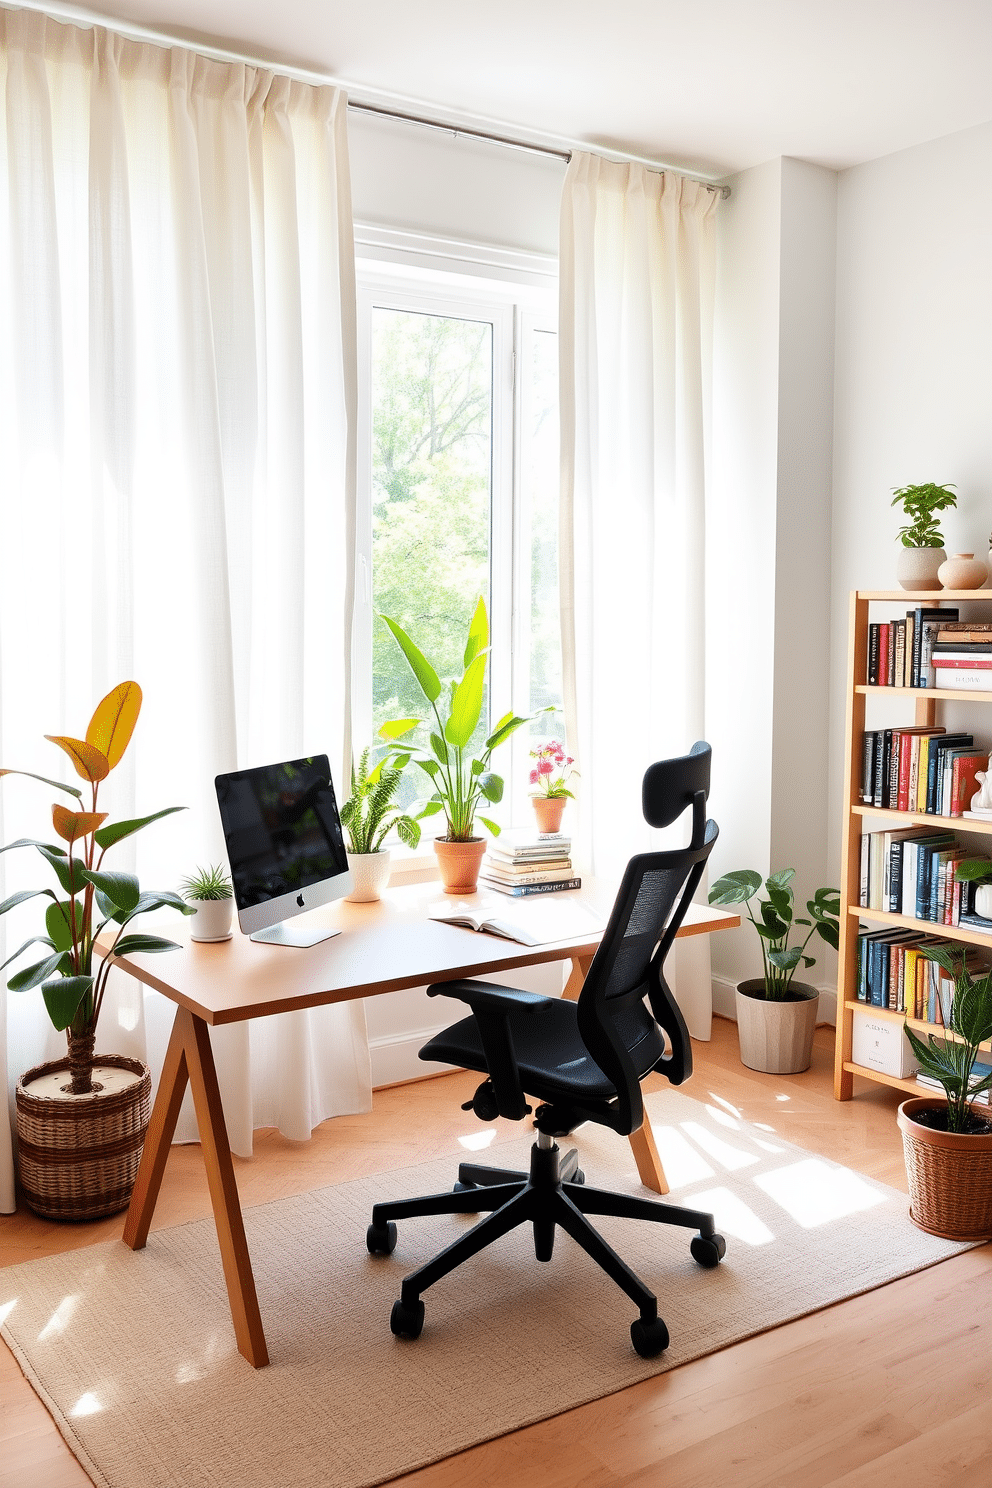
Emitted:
<point x="927" y="701"/>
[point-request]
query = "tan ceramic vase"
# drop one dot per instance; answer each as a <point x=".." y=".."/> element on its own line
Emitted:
<point x="549" y="811"/>
<point x="459" y="863"/>
<point x="963" y="571"/>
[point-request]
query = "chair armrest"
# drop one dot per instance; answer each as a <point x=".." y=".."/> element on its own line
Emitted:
<point x="492" y="1007"/>
<point x="490" y="996"/>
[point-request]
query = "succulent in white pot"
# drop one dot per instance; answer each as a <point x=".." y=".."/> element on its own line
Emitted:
<point x="210" y="893"/>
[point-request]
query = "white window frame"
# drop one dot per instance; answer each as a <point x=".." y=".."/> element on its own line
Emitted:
<point x="517" y="294"/>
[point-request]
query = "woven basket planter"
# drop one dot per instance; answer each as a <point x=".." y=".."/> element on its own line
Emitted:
<point x="78" y="1157"/>
<point x="950" y="1176"/>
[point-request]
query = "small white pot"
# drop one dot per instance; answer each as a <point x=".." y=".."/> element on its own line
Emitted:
<point x="212" y="920"/>
<point x="916" y="568"/>
<point x="371" y="874"/>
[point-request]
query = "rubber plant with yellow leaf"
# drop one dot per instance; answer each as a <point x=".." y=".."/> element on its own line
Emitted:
<point x="92" y="899"/>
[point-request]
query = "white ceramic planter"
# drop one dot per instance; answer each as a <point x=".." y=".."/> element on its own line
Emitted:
<point x="370" y="872"/>
<point x="916" y="568"/>
<point x="212" y="920"/>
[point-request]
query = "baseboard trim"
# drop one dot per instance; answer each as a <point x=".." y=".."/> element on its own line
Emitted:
<point x="395" y="1058"/>
<point x="724" y="1002"/>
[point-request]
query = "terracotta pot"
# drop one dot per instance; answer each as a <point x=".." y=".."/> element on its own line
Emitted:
<point x="78" y="1155"/>
<point x="950" y="1175"/>
<point x="549" y="811"/>
<point x="212" y="920"/>
<point x="370" y="872"/>
<point x="459" y="863"/>
<point x="963" y="571"/>
<point x="916" y="568"/>
<point x="776" y="1037"/>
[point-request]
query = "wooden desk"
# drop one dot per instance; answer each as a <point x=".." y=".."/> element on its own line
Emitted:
<point x="385" y="946"/>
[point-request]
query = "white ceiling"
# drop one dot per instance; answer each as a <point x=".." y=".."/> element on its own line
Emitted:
<point x="711" y="85"/>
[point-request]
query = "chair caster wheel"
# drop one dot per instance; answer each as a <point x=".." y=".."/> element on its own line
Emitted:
<point x="381" y="1241"/>
<point x="649" y="1339"/>
<point x="406" y="1322"/>
<point x="708" y="1250"/>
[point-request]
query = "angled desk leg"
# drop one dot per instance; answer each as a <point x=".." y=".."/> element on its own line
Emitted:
<point x="189" y="1058"/>
<point x="642" y="1143"/>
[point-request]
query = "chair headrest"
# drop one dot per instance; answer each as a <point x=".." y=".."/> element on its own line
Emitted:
<point x="673" y="784"/>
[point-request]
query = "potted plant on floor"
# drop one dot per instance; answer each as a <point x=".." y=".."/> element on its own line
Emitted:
<point x="367" y="816"/>
<point x="79" y="1140"/>
<point x="947" y="1143"/>
<point x="210" y="894"/>
<point x="461" y="780"/>
<point x="549" y="777"/>
<point x="776" y="1015"/>
<point x="922" y="543"/>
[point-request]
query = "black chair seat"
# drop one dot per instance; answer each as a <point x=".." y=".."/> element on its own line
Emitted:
<point x="553" y="1061"/>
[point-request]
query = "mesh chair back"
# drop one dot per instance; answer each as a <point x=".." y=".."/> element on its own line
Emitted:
<point x="622" y="1035"/>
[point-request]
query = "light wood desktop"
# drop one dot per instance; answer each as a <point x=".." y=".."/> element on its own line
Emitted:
<point x="383" y="947"/>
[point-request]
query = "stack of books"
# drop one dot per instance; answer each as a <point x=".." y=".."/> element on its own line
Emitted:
<point x="980" y="1070"/>
<point x="962" y="657"/>
<point x="523" y="863"/>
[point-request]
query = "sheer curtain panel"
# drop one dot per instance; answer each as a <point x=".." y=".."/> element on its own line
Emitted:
<point x="177" y="408"/>
<point x="635" y="338"/>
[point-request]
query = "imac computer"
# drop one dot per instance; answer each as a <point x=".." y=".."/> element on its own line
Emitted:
<point x="285" y="847"/>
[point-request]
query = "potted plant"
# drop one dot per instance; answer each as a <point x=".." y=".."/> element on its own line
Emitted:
<point x="776" y="1015"/>
<point x="79" y="1141"/>
<point x="210" y="893"/>
<point x="922" y="551"/>
<point x="947" y="1143"/>
<point x="367" y="816"/>
<point x="461" y="780"/>
<point x="550" y="774"/>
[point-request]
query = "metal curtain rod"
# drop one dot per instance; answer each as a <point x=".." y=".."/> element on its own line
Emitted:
<point x="564" y="150"/>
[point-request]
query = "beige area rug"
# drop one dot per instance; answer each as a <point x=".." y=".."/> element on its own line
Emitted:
<point x="134" y="1354"/>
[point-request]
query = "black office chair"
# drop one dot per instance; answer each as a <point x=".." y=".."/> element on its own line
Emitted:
<point x="583" y="1061"/>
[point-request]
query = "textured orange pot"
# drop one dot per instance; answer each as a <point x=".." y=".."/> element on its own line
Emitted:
<point x="459" y="863"/>
<point x="549" y="811"/>
<point x="950" y="1175"/>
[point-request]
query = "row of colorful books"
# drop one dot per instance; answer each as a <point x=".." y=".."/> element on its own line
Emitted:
<point x="525" y="863"/>
<point x="900" y="651"/>
<point x="896" y="972"/>
<point x="911" y="871"/>
<point x="921" y="769"/>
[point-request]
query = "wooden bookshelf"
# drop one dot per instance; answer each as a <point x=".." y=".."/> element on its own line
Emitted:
<point x="859" y="817"/>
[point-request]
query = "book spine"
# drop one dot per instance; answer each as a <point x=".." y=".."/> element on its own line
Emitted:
<point x="873" y="655"/>
<point x="523" y="891"/>
<point x="895" y="754"/>
<point x="910" y="631"/>
<point x="971" y="680"/>
<point x="895" y="876"/>
<point x="884" y="633"/>
<point x="905" y="761"/>
<point x="865" y="855"/>
<point x="900" y="650"/>
<point x="867" y="766"/>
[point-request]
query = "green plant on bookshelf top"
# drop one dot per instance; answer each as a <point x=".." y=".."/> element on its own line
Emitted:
<point x="952" y="1061"/>
<point x="920" y="504"/>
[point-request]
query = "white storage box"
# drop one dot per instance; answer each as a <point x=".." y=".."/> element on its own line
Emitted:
<point x="881" y="1044"/>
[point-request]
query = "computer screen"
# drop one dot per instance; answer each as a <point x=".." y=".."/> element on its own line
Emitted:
<point x="284" y="845"/>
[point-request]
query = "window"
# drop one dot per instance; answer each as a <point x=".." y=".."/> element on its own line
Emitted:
<point x="458" y="496"/>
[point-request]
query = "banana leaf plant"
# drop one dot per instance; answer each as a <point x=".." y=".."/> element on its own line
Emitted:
<point x="92" y="899"/>
<point x="776" y="921"/>
<point x="461" y="781"/>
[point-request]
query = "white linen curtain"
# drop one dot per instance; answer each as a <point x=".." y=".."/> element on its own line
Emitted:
<point x="177" y="479"/>
<point x="635" y="336"/>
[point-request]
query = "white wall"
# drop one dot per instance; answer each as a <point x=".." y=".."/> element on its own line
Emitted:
<point x="913" y="370"/>
<point x="769" y="541"/>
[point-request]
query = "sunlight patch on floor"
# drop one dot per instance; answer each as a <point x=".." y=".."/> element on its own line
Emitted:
<point x="86" y="1405"/>
<point x="475" y="1141"/>
<point x="727" y="1155"/>
<point x="682" y="1163"/>
<point x="722" y="1119"/>
<point x="734" y="1219"/>
<point x="815" y="1192"/>
<point x="6" y="1308"/>
<point x="60" y="1318"/>
<point x="725" y="1104"/>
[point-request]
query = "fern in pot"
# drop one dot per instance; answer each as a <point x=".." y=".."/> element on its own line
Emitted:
<point x="210" y="894"/>
<point x="776" y="1015"/>
<point x="368" y="816"/>
<point x="79" y="1138"/>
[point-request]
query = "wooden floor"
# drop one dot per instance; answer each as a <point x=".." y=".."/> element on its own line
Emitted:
<point x="882" y="1391"/>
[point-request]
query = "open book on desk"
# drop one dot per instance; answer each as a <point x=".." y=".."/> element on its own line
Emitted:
<point x="530" y="925"/>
